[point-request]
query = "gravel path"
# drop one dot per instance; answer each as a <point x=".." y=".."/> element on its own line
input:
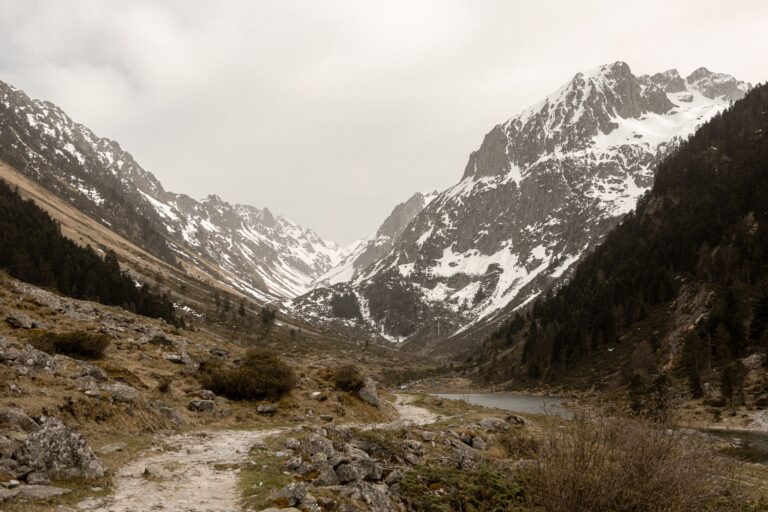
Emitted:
<point x="184" y="477"/>
<point x="196" y="473"/>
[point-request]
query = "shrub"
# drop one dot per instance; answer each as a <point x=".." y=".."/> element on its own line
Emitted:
<point x="77" y="343"/>
<point x="348" y="378"/>
<point x="164" y="384"/>
<point x="481" y="489"/>
<point x="261" y="376"/>
<point x="619" y="464"/>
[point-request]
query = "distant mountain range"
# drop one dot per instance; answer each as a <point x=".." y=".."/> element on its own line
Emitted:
<point x="265" y="256"/>
<point x="541" y="191"/>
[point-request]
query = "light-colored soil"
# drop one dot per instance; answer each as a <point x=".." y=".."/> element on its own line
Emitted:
<point x="193" y="473"/>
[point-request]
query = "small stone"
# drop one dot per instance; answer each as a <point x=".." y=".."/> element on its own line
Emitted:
<point x="292" y="443"/>
<point x="478" y="443"/>
<point x="326" y="417"/>
<point x="205" y="394"/>
<point x="38" y="478"/>
<point x="173" y="358"/>
<point x="428" y="436"/>
<point x="267" y="409"/>
<point x="39" y="492"/>
<point x="112" y="448"/>
<point x="201" y="405"/>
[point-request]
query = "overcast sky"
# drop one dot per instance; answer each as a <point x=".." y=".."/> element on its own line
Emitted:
<point x="331" y="112"/>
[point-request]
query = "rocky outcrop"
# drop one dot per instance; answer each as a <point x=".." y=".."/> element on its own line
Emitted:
<point x="60" y="452"/>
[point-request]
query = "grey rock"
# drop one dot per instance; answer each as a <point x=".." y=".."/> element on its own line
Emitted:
<point x="394" y="477"/>
<point x="60" y="452"/>
<point x="478" y="443"/>
<point x="120" y="392"/>
<point x="108" y="449"/>
<point x="173" y="358"/>
<point x="38" y="478"/>
<point x="377" y="497"/>
<point x="428" y="436"/>
<point x="369" y="394"/>
<point x="267" y="409"/>
<point x="292" y="443"/>
<point x="347" y="473"/>
<point x="16" y="418"/>
<point x="296" y="494"/>
<point x="9" y="447"/>
<point x="494" y="423"/>
<point x="201" y="405"/>
<point x="219" y="352"/>
<point x="18" y="320"/>
<point x="316" y="444"/>
<point x="205" y="394"/>
<point x="39" y="492"/>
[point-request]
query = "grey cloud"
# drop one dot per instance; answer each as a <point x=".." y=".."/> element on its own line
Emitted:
<point x="331" y="112"/>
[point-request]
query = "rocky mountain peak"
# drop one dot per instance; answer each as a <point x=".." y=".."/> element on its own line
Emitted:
<point x="717" y="85"/>
<point x="668" y="81"/>
<point x="542" y="190"/>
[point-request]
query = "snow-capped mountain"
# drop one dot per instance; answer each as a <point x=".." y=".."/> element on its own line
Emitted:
<point x="362" y="253"/>
<point x="266" y="256"/>
<point x="543" y="188"/>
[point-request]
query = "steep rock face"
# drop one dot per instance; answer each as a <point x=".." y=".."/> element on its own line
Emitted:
<point x="543" y="188"/>
<point x="363" y="253"/>
<point x="263" y="255"/>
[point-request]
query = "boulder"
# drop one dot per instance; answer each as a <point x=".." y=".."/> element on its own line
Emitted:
<point x="494" y="423"/>
<point x="12" y="417"/>
<point x="369" y="393"/>
<point x="205" y="394"/>
<point x="376" y="496"/>
<point x="292" y="443"/>
<point x="37" y="478"/>
<point x="8" y="447"/>
<point x="295" y="495"/>
<point x="60" y="452"/>
<point x="120" y="392"/>
<point x="478" y="443"/>
<point x="316" y="444"/>
<point x="347" y="473"/>
<point x="18" y="320"/>
<point x="201" y="405"/>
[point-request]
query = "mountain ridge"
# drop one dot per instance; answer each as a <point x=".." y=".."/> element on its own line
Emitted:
<point x="542" y="189"/>
<point x="265" y="256"/>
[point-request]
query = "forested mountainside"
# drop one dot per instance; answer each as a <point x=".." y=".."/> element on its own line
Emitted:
<point x="262" y="255"/>
<point x="33" y="249"/>
<point x="691" y="262"/>
<point x="541" y="191"/>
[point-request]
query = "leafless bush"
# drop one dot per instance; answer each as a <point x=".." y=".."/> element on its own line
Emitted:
<point x="624" y="464"/>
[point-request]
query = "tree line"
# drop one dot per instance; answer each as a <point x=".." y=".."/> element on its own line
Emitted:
<point x="33" y="249"/>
